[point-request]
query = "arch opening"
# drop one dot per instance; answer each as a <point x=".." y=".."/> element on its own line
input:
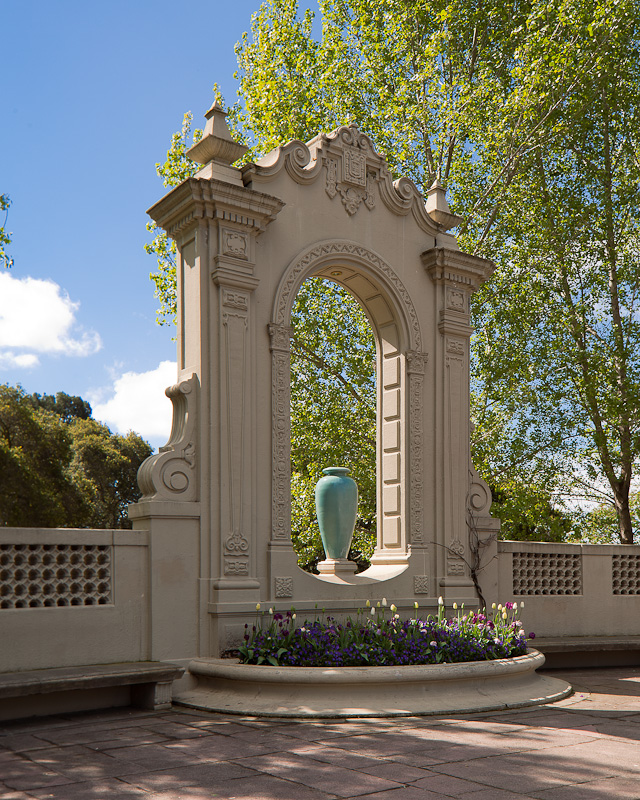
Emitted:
<point x="399" y="367"/>
<point x="333" y="411"/>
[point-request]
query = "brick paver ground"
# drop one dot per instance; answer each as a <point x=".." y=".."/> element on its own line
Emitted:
<point x="586" y="747"/>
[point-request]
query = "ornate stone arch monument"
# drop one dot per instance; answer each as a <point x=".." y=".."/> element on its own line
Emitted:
<point x="216" y="498"/>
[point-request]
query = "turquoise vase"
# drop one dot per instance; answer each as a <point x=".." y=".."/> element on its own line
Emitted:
<point x="336" y="508"/>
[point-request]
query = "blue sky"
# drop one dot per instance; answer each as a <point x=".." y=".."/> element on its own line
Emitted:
<point x="91" y="95"/>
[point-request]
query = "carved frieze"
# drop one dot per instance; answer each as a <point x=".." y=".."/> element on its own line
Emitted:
<point x="455" y="347"/>
<point x="280" y="432"/>
<point x="455" y="561"/>
<point x="236" y="566"/>
<point x="416" y="362"/>
<point x="232" y="298"/>
<point x="421" y="584"/>
<point x="354" y="166"/>
<point x="455" y="568"/>
<point x="235" y="244"/>
<point x="456" y="300"/>
<point x="280" y="336"/>
<point x="331" y="184"/>
<point x="416" y="449"/>
<point x="236" y="554"/>
<point x="280" y="398"/>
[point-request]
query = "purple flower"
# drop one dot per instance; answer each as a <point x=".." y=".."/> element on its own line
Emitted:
<point x="532" y="636"/>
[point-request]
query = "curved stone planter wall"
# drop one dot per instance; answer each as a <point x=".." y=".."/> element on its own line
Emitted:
<point x="230" y="687"/>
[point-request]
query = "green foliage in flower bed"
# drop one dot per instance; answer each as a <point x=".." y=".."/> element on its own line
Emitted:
<point x="377" y="637"/>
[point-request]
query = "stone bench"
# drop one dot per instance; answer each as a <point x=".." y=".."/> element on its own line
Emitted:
<point x="145" y="684"/>
<point x="589" y="651"/>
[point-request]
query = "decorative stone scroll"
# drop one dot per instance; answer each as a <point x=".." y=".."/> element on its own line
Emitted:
<point x="37" y="576"/>
<point x="479" y="498"/>
<point x="547" y="573"/>
<point x="352" y="168"/>
<point x="171" y="474"/>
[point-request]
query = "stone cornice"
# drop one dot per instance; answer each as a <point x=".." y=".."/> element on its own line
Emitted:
<point x="196" y="199"/>
<point x="455" y="268"/>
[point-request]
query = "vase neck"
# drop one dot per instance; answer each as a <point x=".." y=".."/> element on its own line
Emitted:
<point x="338" y="471"/>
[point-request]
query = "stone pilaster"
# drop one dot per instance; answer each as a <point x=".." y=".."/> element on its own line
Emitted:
<point x="215" y="221"/>
<point x="457" y="275"/>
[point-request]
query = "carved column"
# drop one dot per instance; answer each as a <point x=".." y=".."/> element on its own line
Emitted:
<point x="215" y="221"/>
<point x="235" y="569"/>
<point x="457" y="276"/>
<point x="282" y="557"/>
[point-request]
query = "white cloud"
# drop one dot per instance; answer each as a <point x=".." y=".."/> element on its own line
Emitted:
<point x="38" y="316"/>
<point x="9" y="359"/>
<point x="139" y="404"/>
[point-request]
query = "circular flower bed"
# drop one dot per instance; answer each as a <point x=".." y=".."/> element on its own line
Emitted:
<point x="378" y="637"/>
<point x="376" y="664"/>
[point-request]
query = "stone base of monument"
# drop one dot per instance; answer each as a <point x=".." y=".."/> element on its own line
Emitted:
<point x="232" y="688"/>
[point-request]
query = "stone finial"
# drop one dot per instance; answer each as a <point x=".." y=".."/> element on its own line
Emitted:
<point x="216" y="144"/>
<point x="438" y="208"/>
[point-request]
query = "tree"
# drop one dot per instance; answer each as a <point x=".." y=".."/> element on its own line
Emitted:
<point x="35" y="447"/>
<point x="528" y="112"/>
<point x="62" y="405"/>
<point x="570" y="365"/>
<point x="104" y="466"/>
<point x="175" y="169"/>
<point x="61" y="468"/>
<point x="5" y="237"/>
<point x="600" y="523"/>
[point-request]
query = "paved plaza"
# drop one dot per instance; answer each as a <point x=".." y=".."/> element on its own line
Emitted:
<point x="584" y="748"/>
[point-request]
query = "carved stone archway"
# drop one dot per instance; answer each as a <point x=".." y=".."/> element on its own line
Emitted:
<point x="217" y="497"/>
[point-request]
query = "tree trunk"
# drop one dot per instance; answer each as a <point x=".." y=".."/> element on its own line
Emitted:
<point x="624" y="517"/>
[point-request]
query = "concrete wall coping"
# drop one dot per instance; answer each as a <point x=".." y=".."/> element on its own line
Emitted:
<point x="562" y="547"/>
<point x="72" y="536"/>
